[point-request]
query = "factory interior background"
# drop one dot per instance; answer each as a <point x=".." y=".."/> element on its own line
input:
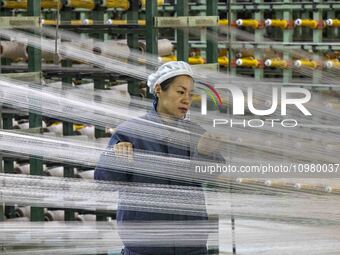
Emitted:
<point x="71" y="71"/>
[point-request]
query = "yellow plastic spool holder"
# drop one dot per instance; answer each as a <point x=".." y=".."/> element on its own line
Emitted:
<point x="333" y="22"/>
<point x="141" y="22"/>
<point x="247" y="62"/>
<point x="22" y="4"/>
<point x="119" y="4"/>
<point x="196" y="60"/>
<point x="51" y="4"/>
<point x="276" y="63"/>
<point x="14" y="4"/>
<point x="169" y="58"/>
<point x="223" y="61"/>
<point x="79" y="22"/>
<point x="82" y="4"/>
<point x="307" y="23"/>
<point x="49" y="22"/>
<point x="223" y="22"/>
<point x="306" y="63"/>
<point x="247" y="23"/>
<point x="330" y="64"/>
<point x="276" y="23"/>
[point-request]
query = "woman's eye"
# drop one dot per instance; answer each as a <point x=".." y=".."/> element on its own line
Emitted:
<point x="180" y="92"/>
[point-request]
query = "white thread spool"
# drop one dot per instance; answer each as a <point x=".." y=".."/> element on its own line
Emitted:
<point x="23" y="212"/>
<point x="13" y="50"/>
<point x="85" y="217"/>
<point x="54" y="215"/>
<point x="86" y="174"/>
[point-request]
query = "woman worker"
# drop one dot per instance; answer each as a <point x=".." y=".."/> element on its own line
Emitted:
<point x="172" y="85"/>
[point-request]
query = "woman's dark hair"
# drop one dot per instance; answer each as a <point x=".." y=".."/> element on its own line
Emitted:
<point x="165" y="85"/>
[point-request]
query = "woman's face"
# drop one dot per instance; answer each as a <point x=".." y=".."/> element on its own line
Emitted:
<point x="176" y="100"/>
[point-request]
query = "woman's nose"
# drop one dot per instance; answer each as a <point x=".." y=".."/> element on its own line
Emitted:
<point x="186" y="99"/>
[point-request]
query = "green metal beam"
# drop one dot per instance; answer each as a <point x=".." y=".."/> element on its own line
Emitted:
<point x="132" y="39"/>
<point x="8" y="162"/>
<point x="99" y="83"/>
<point x="2" y="212"/>
<point x="98" y="15"/>
<point x="317" y="38"/>
<point x="151" y="31"/>
<point x="232" y="15"/>
<point x="182" y="9"/>
<point x="35" y="120"/>
<point x="258" y="38"/>
<point x="67" y="15"/>
<point x="8" y="124"/>
<point x="287" y="37"/>
<point x="212" y="45"/>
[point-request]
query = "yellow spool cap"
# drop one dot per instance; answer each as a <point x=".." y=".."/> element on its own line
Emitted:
<point x="247" y="62"/>
<point x="51" y="4"/>
<point x="276" y="63"/>
<point x="306" y="23"/>
<point x="305" y="63"/>
<point x="223" y="22"/>
<point x="79" y="22"/>
<point x="48" y="22"/>
<point x="196" y="60"/>
<point x="168" y="58"/>
<point x="276" y="23"/>
<point x="20" y="4"/>
<point x="333" y="22"/>
<point x="141" y="22"/>
<point x="121" y="4"/>
<point x="116" y="22"/>
<point x="83" y="4"/>
<point x="332" y="64"/>
<point x="247" y="23"/>
<point x="223" y="61"/>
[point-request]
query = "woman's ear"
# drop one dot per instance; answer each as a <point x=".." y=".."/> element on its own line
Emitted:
<point x="157" y="90"/>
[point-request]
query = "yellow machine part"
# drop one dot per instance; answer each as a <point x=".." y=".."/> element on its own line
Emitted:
<point x="223" y="61"/>
<point x="247" y="62"/>
<point x="121" y="4"/>
<point x="248" y="23"/>
<point x="83" y="4"/>
<point x="278" y="23"/>
<point x="196" y="60"/>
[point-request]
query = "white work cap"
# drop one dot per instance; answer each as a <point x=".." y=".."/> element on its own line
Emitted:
<point x="167" y="71"/>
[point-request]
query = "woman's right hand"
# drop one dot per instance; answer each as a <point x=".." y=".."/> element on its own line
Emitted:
<point x="124" y="150"/>
<point x="209" y="144"/>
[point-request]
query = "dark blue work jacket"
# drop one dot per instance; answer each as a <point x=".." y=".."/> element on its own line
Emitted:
<point x="124" y="134"/>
